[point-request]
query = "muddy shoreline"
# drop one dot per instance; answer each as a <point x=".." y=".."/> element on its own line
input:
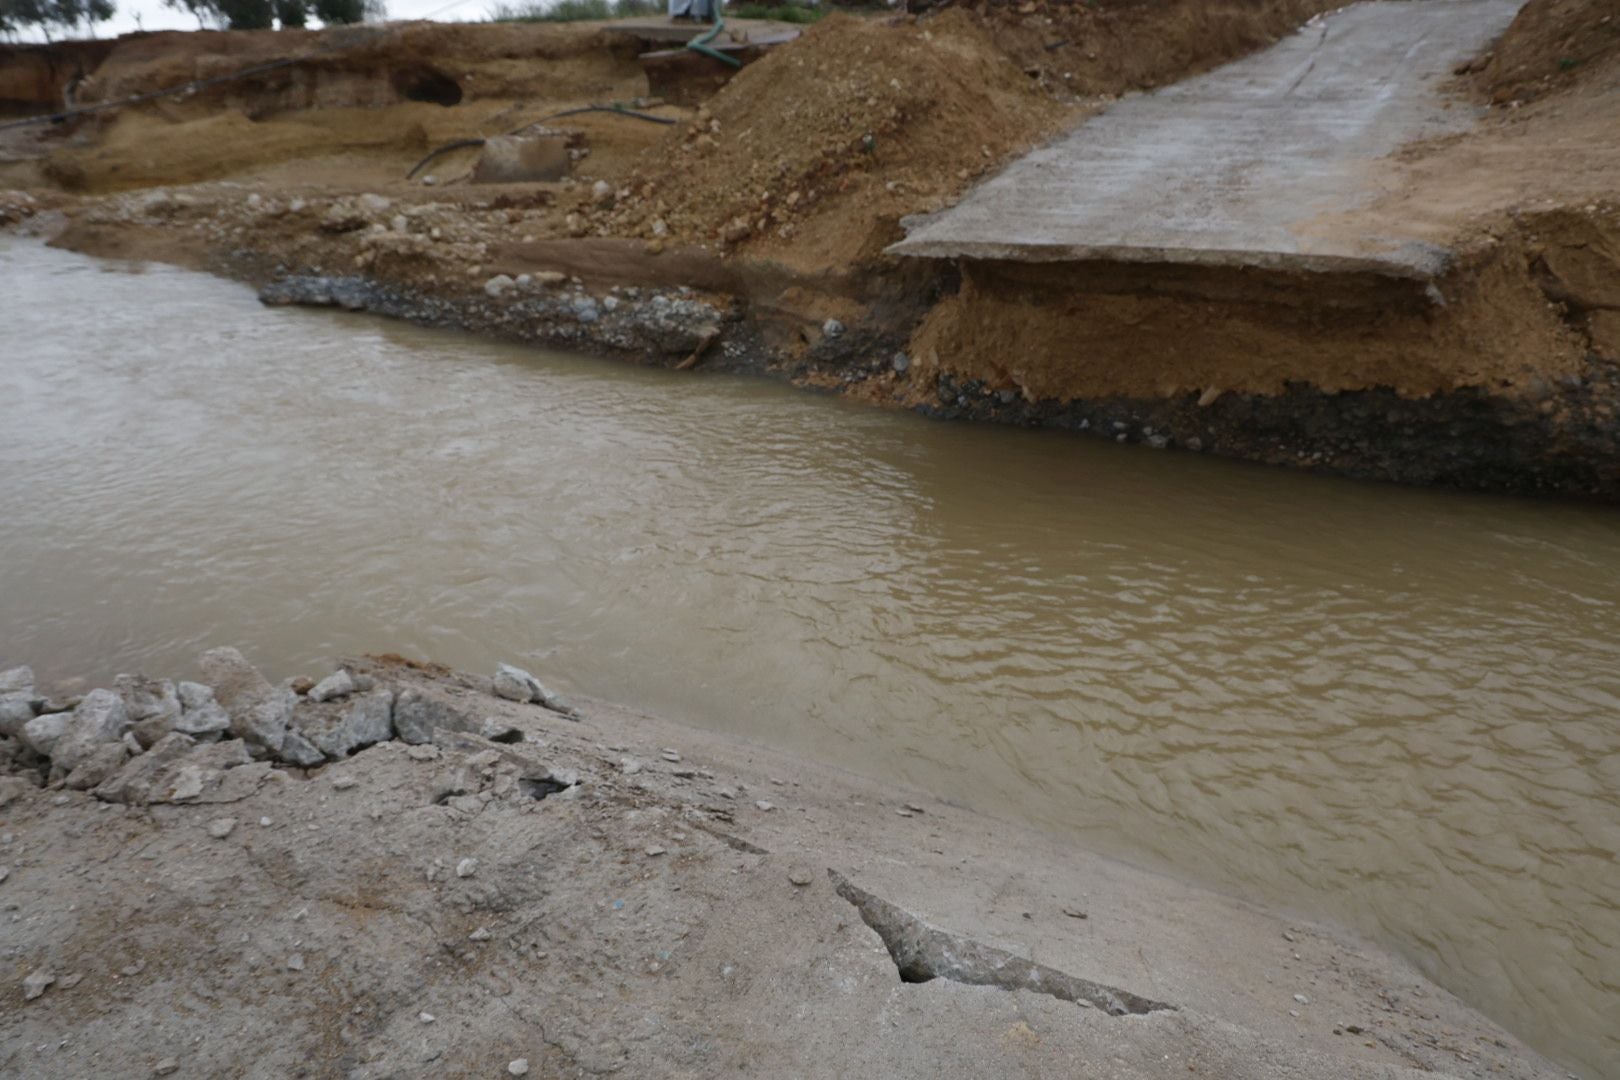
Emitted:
<point x="486" y="876"/>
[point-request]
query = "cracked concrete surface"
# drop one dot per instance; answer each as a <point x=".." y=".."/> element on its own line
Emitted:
<point x="653" y="920"/>
<point x="1233" y="168"/>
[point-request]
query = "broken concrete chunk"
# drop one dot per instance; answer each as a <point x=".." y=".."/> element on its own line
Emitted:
<point x="515" y="684"/>
<point x="100" y="718"/>
<point x="17" y="679"/>
<point x="194" y="695"/>
<point x="259" y="712"/>
<point x="206" y="719"/>
<point x="42" y="733"/>
<point x="338" y="684"/>
<point x="297" y="750"/>
<point x="513" y="159"/>
<point x="95" y="769"/>
<point x="417" y="715"/>
<point x="235" y="681"/>
<point x="146" y="698"/>
<point x="133" y="784"/>
<point x="16" y="709"/>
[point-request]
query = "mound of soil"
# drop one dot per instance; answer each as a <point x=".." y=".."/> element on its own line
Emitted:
<point x="1552" y="47"/>
<point x="838" y="133"/>
<point x="1108" y="46"/>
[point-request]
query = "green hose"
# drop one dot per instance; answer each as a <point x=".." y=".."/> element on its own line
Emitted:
<point x="701" y="44"/>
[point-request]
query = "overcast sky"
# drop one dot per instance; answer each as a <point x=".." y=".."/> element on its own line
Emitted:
<point x="155" y="16"/>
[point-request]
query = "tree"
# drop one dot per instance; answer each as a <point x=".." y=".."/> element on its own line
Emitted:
<point x="46" y="15"/>
<point x="263" y="14"/>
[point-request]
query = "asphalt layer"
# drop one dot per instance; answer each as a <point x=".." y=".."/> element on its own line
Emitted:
<point x="1234" y="166"/>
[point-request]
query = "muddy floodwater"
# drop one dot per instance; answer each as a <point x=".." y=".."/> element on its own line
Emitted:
<point x="1395" y="709"/>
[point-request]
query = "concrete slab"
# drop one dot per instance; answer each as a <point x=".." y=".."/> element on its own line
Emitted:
<point x="1231" y="167"/>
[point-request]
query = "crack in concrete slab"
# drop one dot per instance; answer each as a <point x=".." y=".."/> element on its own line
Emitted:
<point x="922" y="953"/>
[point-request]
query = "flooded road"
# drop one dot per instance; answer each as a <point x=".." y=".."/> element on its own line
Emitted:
<point x="1396" y="709"/>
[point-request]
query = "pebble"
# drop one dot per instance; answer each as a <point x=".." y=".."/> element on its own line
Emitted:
<point x="480" y="934"/>
<point x="5" y="872"/>
<point x="264" y="822"/>
<point x="832" y="328"/>
<point x="426" y="1017"/>
<point x="466" y="868"/>
<point x="1302" y="999"/>
<point x="655" y="850"/>
<point x="764" y="805"/>
<point x="220" y="828"/>
<point x="165" y="1067"/>
<point x="630" y="766"/>
<point x="671" y="755"/>
<point x="34" y="985"/>
<point x="800" y="875"/>
<point x="343" y="783"/>
<point x="518" y="1066"/>
<point x="295" y="962"/>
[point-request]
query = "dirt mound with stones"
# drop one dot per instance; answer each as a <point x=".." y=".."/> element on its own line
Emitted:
<point x="827" y="141"/>
<point x="1552" y="47"/>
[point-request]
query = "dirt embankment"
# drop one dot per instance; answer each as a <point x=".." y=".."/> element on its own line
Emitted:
<point x="462" y="880"/>
<point x="777" y="196"/>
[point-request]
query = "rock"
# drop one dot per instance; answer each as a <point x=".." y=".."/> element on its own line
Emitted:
<point x="146" y="698"/>
<point x="344" y="782"/>
<point x="417" y="715"/>
<point x="480" y="934"/>
<point x="655" y="850"/>
<point x="42" y="733"/>
<point x="497" y="730"/>
<point x="549" y="278"/>
<point x="259" y="712"/>
<point x="295" y="962"/>
<point x="187" y="782"/>
<point x="133" y="784"/>
<point x="602" y="193"/>
<point x="203" y="721"/>
<point x="194" y="695"/>
<point x="765" y="806"/>
<point x="5" y="872"/>
<point x="832" y="328"/>
<point x="338" y="684"/>
<point x="368" y="719"/>
<point x="901" y="363"/>
<point x="466" y="868"/>
<point x="515" y="684"/>
<point x="499" y="285"/>
<point x="16" y="709"/>
<point x="165" y="1067"/>
<point x="518" y="1067"/>
<point x="222" y="827"/>
<point x="375" y="203"/>
<point x="17" y="679"/>
<point x="297" y="750"/>
<point x="13" y="788"/>
<point x="95" y="769"/>
<point x="1302" y="999"/>
<point x="34" y="985"/>
<point x="800" y="875"/>
<point x="100" y="718"/>
<point x="426" y="752"/>
<point x="426" y="1017"/>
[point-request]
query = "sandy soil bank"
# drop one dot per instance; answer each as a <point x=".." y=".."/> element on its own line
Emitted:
<point x="608" y="892"/>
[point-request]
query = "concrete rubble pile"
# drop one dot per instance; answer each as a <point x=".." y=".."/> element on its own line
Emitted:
<point x="150" y="740"/>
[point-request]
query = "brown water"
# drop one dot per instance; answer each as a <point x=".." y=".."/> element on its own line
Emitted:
<point x="1397" y="709"/>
